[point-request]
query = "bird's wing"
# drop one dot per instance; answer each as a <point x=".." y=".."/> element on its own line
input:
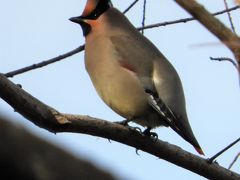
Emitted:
<point x="163" y="110"/>
<point x="137" y="55"/>
<point x="139" y="58"/>
<point x="170" y="119"/>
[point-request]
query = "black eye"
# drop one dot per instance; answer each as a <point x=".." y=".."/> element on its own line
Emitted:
<point x="99" y="10"/>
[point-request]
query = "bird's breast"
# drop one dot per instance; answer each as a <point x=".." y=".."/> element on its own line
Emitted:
<point x="117" y="84"/>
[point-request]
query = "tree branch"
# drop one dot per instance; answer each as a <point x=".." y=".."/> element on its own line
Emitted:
<point x="229" y="17"/>
<point x="225" y="59"/>
<point x="54" y="121"/>
<point x="184" y="20"/>
<point x="45" y="63"/>
<point x="234" y="160"/>
<point x="81" y="48"/>
<point x="216" y="27"/>
<point x="25" y="156"/>
<point x="130" y="6"/>
<point x="144" y="16"/>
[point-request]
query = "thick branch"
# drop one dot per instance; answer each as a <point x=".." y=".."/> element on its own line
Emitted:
<point x="48" y="118"/>
<point x="216" y="27"/>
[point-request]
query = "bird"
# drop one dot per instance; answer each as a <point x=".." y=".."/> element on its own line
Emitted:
<point x="130" y="74"/>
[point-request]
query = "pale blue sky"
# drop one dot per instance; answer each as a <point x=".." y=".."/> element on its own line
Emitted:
<point x="33" y="31"/>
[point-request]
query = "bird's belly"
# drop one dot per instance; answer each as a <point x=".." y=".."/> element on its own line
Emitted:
<point x="120" y="90"/>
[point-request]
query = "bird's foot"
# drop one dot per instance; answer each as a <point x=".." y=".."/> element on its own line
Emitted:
<point x="135" y="129"/>
<point x="210" y="161"/>
<point x="153" y="135"/>
<point x="125" y="123"/>
<point x="137" y="152"/>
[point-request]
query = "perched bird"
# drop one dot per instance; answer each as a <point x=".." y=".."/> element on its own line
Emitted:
<point x="130" y="74"/>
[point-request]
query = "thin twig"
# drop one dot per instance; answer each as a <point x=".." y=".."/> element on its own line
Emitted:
<point x="225" y="59"/>
<point x="45" y="63"/>
<point x="81" y="48"/>
<point x="234" y="161"/>
<point x="229" y="16"/>
<point x="235" y="64"/>
<point x="210" y="160"/>
<point x="184" y="20"/>
<point x="144" y="15"/>
<point x="130" y="6"/>
<point x="55" y="59"/>
<point x="213" y="25"/>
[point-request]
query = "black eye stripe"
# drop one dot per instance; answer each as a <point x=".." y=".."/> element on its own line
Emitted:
<point x="101" y="8"/>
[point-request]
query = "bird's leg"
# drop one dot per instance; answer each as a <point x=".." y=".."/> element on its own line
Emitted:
<point x="125" y="123"/>
<point x="147" y="132"/>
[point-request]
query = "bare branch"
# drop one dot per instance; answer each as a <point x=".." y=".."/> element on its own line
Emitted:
<point x="229" y="16"/>
<point x="144" y="15"/>
<point x="234" y="160"/>
<point x="222" y="151"/>
<point x="184" y="20"/>
<point x="225" y="59"/>
<point x="216" y="27"/>
<point x="81" y="48"/>
<point x="54" y="121"/>
<point x="45" y="63"/>
<point x="130" y="6"/>
<point x="26" y="156"/>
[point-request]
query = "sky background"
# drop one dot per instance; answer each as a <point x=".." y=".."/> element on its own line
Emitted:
<point x="33" y="31"/>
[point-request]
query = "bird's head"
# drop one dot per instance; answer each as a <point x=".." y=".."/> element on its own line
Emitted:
<point x="93" y="10"/>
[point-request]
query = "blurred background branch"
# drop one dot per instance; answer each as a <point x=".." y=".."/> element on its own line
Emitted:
<point x="25" y="156"/>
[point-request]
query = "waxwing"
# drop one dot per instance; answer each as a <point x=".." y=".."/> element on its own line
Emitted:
<point x="130" y="74"/>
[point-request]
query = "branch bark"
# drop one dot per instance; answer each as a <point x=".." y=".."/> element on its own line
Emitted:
<point x="48" y="118"/>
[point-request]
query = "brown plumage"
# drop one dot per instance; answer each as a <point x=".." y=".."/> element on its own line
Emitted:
<point x="130" y="74"/>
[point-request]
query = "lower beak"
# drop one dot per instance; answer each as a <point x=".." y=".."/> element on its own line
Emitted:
<point x="82" y="22"/>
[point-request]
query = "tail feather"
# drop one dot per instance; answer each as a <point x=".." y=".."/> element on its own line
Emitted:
<point x="199" y="150"/>
<point x="182" y="127"/>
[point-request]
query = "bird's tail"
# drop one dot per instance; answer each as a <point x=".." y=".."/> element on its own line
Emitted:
<point x="186" y="132"/>
<point x="199" y="150"/>
<point x="179" y="124"/>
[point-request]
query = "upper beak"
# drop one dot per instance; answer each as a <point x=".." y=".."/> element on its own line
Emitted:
<point x="78" y="20"/>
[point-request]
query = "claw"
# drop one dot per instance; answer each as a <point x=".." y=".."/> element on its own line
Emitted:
<point x="137" y="152"/>
<point x="125" y="123"/>
<point x="153" y="135"/>
<point x="135" y="129"/>
<point x="210" y="161"/>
